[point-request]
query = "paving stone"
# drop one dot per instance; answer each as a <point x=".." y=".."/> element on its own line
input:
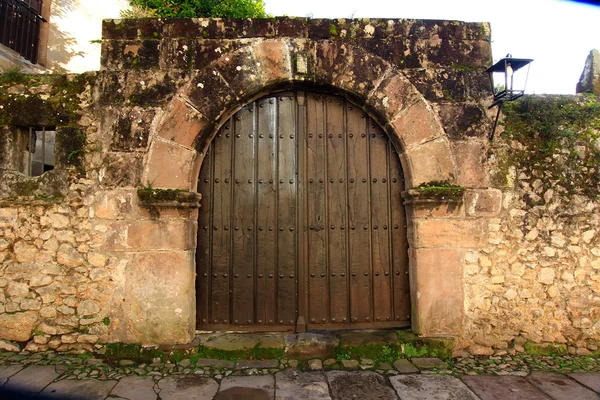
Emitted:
<point x="89" y="389"/>
<point x="306" y="346"/>
<point x="247" y="364"/>
<point x="135" y="388"/>
<point x="430" y="387"/>
<point x="6" y="371"/>
<point x="315" y="365"/>
<point x="561" y="387"/>
<point x="503" y="387"/>
<point x="207" y="362"/>
<point x="428" y="363"/>
<point x="350" y="364"/>
<point x="247" y="387"/>
<point x="367" y="337"/>
<point x="32" y="379"/>
<point x="244" y="341"/>
<point x="188" y="388"/>
<point x="293" y="384"/>
<point x="359" y="385"/>
<point x="592" y="381"/>
<point x="405" y="367"/>
<point x="385" y="366"/>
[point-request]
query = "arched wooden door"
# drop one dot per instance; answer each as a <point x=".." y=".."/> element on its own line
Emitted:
<point x="301" y="220"/>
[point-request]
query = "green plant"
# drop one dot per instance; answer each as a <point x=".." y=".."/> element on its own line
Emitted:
<point x="195" y="8"/>
<point x="106" y="321"/>
<point x="13" y="74"/>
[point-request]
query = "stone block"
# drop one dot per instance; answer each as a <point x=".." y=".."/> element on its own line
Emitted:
<point x="131" y="54"/>
<point x="210" y="94"/>
<point x="348" y="67"/>
<point x="152" y="235"/>
<point x="188" y="387"/>
<point x="116" y="204"/>
<point x="248" y="364"/>
<point x="121" y="170"/>
<point x="169" y="166"/>
<point x="461" y="121"/>
<point x="436" y="285"/>
<point x="18" y="326"/>
<point x="417" y="125"/>
<point x="275" y="62"/>
<point x="432" y="208"/>
<point x="589" y="82"/>
<point x="306" y="346"/>
<point x="447" y="232"/>
<point x="483" y="202"/>
<point x="359" y="385"/>
<point x="131" y="129"/>
<point x="471" y="163"/>
<point x="429" y="363"/>
<point x="428" y="162"/>
<point x="430" y="387"/>
<point x="394" y="95"/>
<point x="181" y="123"/>
<point x="292" y="385"/>
<point x="405" y="367"/>
<point x="176" y="53"/>
<point x="159" y="310"/>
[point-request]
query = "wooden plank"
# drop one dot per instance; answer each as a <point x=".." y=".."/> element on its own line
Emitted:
<point x="204" y="247"/>
<point x="287" y="205"/>
<point x="336" y="207"/>
<point x="243" y="218"/>
<point x="358" y="216"/>
<point x="318" y="296"/>
<point x="401" y="289"/>
<point x="221" y="220"/>
<point x="266" y="260"/>
<point x="380" y="240"/>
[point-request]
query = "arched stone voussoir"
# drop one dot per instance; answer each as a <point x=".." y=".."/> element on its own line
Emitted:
<point x="181" y="123"/>
<point x="209" y="93"/>
<point x="349" y="68"/>
<point x="429" y="162"/>
<point x="169" y="166"/>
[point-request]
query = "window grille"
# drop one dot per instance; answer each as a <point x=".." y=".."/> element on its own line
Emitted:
<point x="41" y="151"/>
<point x="20" y="26"/>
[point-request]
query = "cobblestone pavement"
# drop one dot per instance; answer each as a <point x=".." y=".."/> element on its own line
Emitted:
<point x="56" y="376"/>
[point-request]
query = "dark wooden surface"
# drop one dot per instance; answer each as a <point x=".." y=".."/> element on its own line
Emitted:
<point x="301" y="216"/>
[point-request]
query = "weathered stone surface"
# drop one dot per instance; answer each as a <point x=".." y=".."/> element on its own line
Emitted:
<point x="350" y="364"/>
<point x="135" y="388"/>
<point x="560" y="387"/>
<point x="68" y="256"/>
<point x="428" y="363"/>
<point x="503" y="387"/>
<point x="181" y="123"/>
<point x="428" y="162"/>
<point x="448" y="233"/>
<point x="8" y="346"/>
<point x="206" y="362"/>
<point x="306" y="346"/>
<point x="292" y="384"/>
<point x="405" y="367"/>
<point x="247" y="364"/>
<point x="188" y="388"/>
<point x="258" y="387"/>
<point x="589" y="82"/>
<point x="91" y="389"/>
<point x="25" y="252"/>
<point x="436" y="274"/>
<point x="237" y="341"/>
<point x="367" y="337"/>
<point x="315" y="365"/>
<point x="361" y="385"/>
<point x="430" y="387"/>
<point x="164" y="154"/>
<point x="592" y="381"/>
<point x="32" y="379"/>
<point x="6" y="371"/>
<point x="170" y="318"/>
<point x="19" y="326"/>
<point x="417" y="125"/>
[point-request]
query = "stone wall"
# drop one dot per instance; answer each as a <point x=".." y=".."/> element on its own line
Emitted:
<point x="85" y="259"/>
<point x="535" y="283"/>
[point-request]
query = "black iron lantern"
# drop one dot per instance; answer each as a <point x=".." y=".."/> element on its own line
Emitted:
<point x="504" y="85"/>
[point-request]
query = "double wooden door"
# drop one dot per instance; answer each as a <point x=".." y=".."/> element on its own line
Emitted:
<point x="301" y="220"/>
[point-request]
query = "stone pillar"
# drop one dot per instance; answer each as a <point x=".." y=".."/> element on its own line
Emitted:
<point x="438" y="236"/>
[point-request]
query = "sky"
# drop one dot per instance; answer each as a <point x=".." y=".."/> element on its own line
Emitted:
<point x="557" y="34"/>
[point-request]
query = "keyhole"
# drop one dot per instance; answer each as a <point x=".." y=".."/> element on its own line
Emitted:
<point x="318" y="218"/>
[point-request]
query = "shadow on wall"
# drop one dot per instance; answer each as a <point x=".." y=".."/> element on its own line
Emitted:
<point x="74" y="33"/>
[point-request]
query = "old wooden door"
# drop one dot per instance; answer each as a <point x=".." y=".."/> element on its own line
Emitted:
<point x="301" y="216"/>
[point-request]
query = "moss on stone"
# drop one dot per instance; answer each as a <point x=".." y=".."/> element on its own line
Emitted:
<point x="556" y="139"/>
<point x="438" y="190"/>
<point x="545" y="349"/>
<point x="149" y="195"/>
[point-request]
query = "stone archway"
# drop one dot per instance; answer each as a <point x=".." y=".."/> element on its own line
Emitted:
<point x="236" y="78"/>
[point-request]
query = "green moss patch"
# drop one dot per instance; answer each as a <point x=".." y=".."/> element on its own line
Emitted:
<point x="546" y="349"/>
<point x="438" y="190"/>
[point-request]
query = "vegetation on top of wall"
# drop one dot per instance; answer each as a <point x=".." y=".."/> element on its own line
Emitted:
<point x="196" y="8"/>
<point x="556" y="139"/>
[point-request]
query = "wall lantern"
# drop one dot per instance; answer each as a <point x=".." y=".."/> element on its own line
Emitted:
<point x="507" y="85"/>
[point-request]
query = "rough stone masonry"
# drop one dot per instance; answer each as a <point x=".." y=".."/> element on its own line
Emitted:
<point x="507" y="264"/>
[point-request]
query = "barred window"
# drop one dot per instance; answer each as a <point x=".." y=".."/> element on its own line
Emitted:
<point x="20" y="26"/>
<point x="41" y="151"/>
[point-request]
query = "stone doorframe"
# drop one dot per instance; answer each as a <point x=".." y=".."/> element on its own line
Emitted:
<point x="438" y="231"/>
